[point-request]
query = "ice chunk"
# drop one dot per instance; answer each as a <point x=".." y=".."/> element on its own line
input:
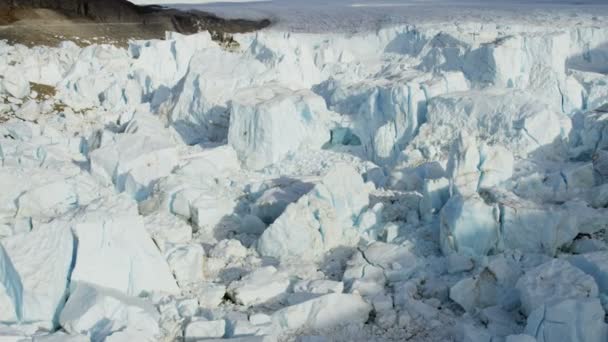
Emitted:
<point x="512" y="118"/>
<point x="459" y="263"/>
<point x="324" y="312"/>
<point x="260" y="286"/>
<point x="98" y="312"/>
<point x="481" y="291"/>
<point x="531" y="227"/>
<point x="319" y="286"/>
<point x="186" y="262"/>
<point x="520" y="338"/>
<point x="206" y="202"/>
<point x="199" y="112"/>
<point x="591" y="137"/>
<point x="134" y="161"/>
<point x="496" y="165"/>
<point x="269" y="123"/>
<point x="319" y="220"/>
<point x="386" y="113"/>
<point x="29" y="111"/>
<point x="167" y="229"/>
<point x="61" y="337"/>
<point x="595" y="265"/>
<point x="48" y="200"/>
<point x="201" y="329"/>
<point x="15" y="84"/>
<point x="35" y="269"/>
<point x="229" y="250"/>
<point x="397" y="262"/>
<point x="571" y="320"/>
<point x="552" y="282"/>
<point x="474" y="166"/>
<point x="435" y="194"/>
<point x="588" y="245"/>
<point x="116" y="252"/>
<point x="272" y="202"/>
<point x="210" y="295"/>
<point x="469" y="226"/>
<point x="463" y="166"/>
<point x="11" y="290"/>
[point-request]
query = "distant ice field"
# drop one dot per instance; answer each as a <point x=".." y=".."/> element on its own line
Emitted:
<point x="357" y="15"/>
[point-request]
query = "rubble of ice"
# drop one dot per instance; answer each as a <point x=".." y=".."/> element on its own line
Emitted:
<point x="441" y="180"/>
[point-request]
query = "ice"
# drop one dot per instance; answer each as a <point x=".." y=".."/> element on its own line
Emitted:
<point x="134" y="161"/>
<point x="459" y="263"/>
<point x="260" y="286"/>
<point x="318" y="286"/>
<point x="14" y="84"/>
<point x="553" y="282"/>
<point x="186" y="262"/>
<point x="167" y="230"/>
<point x="481" y="291"/>
<point x="324" y="312"/>
<point x="200" y="330"/>
<point x="319" y="220"/>
<point x="273" y="201"/>
<point x="594" y="264"/>
<point x="569" y="320"/>
<point x="210" y="295"/>
<point x="61" y="337"/>
<point x="200" y="110"/>
<point x="509" y="118"/>
<point x="469" y="226"/>
<point x="100" y="312"/>
<point x="473" y="167"/>
<point x="126" y="260"/>
<point x="35" y="271"/>
<point x="387" y="113"/>
<point x="165" y="62"/>
<point x="520" y="338"/>
<point x="269" y="123"/>
<point x="207" y="190"/>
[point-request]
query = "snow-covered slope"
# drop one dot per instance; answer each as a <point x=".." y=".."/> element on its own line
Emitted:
<point x="445" y="179"/>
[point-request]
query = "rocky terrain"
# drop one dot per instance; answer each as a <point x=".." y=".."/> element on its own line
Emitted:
<point x="34" y="22"/>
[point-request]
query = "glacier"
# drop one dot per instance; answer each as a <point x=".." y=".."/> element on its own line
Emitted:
<point x="441" y="178"/>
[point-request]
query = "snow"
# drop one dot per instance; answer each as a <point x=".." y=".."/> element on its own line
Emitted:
<point x="355" y="172"/>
